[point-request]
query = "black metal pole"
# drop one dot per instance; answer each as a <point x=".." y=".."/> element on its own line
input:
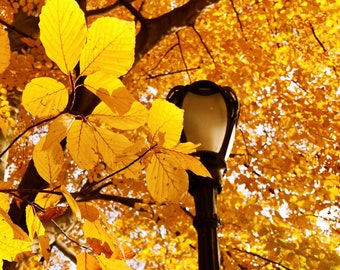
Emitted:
<point x="205" y="190"/>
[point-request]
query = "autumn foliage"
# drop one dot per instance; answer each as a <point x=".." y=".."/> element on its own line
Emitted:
<point x="93" y="171"/>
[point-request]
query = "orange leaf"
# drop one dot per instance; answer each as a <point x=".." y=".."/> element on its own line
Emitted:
<point x="52" y="213"/>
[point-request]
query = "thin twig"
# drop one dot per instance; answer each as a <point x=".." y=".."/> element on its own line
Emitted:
<point x="203" y="43"/>
<point x="26" y="130"/>
<point x="262" y="258"/>
<point x="172" y="73"/>
<point x="29" y="190"/>
<point x="68" y="237"/>
<point x="317" y="39"/>
<point x="182" y="56"/>
<point x="90" y="187"/>
<point x="13" y="28"/>
<point x="133" y="11"/>
<point x="238" y="18"/>
<point x="130" y="202"/>
<point x="161" y="58"/>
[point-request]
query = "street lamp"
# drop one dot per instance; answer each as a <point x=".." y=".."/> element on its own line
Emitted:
<point x="210" y="117"/>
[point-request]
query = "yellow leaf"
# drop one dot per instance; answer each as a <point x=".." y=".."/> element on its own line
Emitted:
<point x="88" y="211"/>
<point x="48" y="161"/>
<point x="47" y="200"/>
<point x="132" y="170"/>
<point x="45" y="97"/>
<point x="109" y="47"/>
<point x="110" y="144"/>
<point x="58" y="130"/>
<point x="71" y="202"/>
<point x="34" y="225"/>
<point x="86" y="261"/>
<point x="82" y="144"/>
<point x="186" y="148"/>
<point x="5" y="197"/>
<point x="111" y="91"/>
<point x="165" y="123"/>
<point x="13" y="240"/>
<point x="187" y="162"/>
<point x="4" y="126"/>
<point x="63" y="32"/>
<point x="44" y="243"/>
<point x="5" y="52"/>
<point x="96" y="230"/>
<point x="133" y="119"/>
<point x="166" y="179"/>
<point x="109" y="264"/>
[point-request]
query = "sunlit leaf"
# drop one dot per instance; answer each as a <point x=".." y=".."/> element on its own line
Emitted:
<point x="5" y="53"/>
<point x="187" y="162"/>
<point x="52" y="212"/>
<point x="48" y="161"/>
<point x="186" y="148"/>
<point x="47" y="200"/>
<point x="5" y="197"/>
<point x="13" y="240"/>
<point x="34" y="225"/>
<point x="63" y="32"/>
<point x="88" y="211"/>
<point x="3" y="127"/>
<point x="109" y="47"/>
<point x="98" y="247"/>
<point x="45" y="97"/>
<point x="110" y="144"/>
<point x="111" y="91"/>
<point x="44" y="243"/>
<point x="86" y="261"/>
<point x="71" y="202"/>
<point x="107" y="240"/>
<point x="133" y="119"/>
<point x="82" y="144"/>
<point x="58" y="130"/>
<point x="166" y="179"/>
<point x="165" y="123"/>
<point x="108" y="264"/>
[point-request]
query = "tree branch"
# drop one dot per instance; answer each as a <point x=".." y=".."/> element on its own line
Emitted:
<point x="262" y="258"/>
<point x="133" y="11"/>
<point x="129" y="202"/>
<point x="317" y="39"/>
<point x="154" y="30"/>
<point x="171" y="73"/>
<point x="182" y="56"/>
<point x="203" y="43"/>
<point x="238" y="18"/>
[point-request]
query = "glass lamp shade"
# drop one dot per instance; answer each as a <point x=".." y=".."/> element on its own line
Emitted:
<point x="210" y="115"/>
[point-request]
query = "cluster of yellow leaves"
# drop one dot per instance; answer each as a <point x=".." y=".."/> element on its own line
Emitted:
<point x="12" y="238"/>
<point x="104" y="52"/>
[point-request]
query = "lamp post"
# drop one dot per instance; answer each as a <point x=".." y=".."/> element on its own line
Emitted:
<point x="210" y="117"/>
